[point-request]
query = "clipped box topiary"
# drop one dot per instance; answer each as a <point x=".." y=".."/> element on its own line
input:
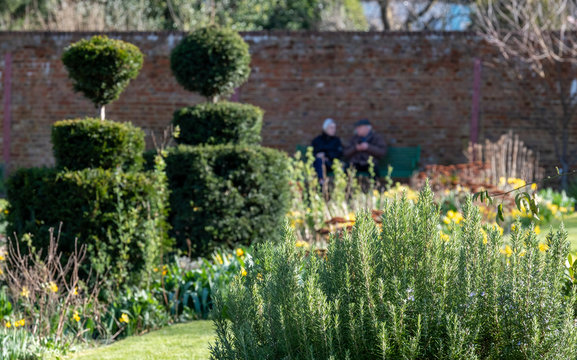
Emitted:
<point x="93" y="143"/>
<point x="119" y="216"/>
<point x="211" y="61"/>
<point x="226" y="194"/>
<point x="101" y="68"/>
<point x="220" y="123"/>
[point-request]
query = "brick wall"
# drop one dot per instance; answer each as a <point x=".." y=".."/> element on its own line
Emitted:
<point x="415" y="87"/>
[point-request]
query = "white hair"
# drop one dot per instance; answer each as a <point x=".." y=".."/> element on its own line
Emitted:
<point x="328" y="122"/>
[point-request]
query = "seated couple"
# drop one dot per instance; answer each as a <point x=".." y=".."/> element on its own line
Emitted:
<point x="364" y="143"/>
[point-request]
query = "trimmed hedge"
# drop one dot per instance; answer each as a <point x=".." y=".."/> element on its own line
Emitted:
<point x="92" y="143"/>
<point x="101" y="68"/>
<point x="226" y="194"/>
<point x="221" y="123"/>
<point x="119" y="216"/>
<point x="211" y="61"/>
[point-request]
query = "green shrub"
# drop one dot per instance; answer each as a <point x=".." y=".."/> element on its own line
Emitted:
<point x="220" y="123"/>
<point x="403" y="293"/>
<point x="211" y="61"/>
<point x="224" y="194"/>
<point x="92" y="143"/>
<point x="101" y="68"/>
<point x="119" y="216"/>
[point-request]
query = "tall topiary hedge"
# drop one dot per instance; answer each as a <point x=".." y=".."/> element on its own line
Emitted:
<point x="93" y="143"/>
<point x="220" y="123"/>
<point x="96" y="191"/>
<point x="226" y="194"/>
<point x="221" y="193"/>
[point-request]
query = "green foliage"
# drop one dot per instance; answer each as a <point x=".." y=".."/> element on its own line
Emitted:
<point x="101" y="68"/>
<point x="221" y="123"/>
<point x="225" y="194"/>
<point x="182" y="15"/>
<point x="134" y="312"/>
<point x="403" y="293"/>
<point x="119" y="216"/>
<point x="211" y="61"/>
<point x="295" y="15"/>
<point x="18" y="345"/>
<point x="187" y="288"/>
<point x="93" y="143"/>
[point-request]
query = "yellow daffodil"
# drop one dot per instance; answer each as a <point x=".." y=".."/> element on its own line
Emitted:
<point x="537" y="230"/>
<point x="507" y="251"/>
<point x="533" y="186"/>
<point x="53" y="287"/>
<point x="259" y="276"/>
<point x="2" y="258"/>
<point x="8" y="324"/>
<point x="446" y="220"/>
<point x="243" y="271"/>
<point x="301" y="243"/>
<point x="522" y="253"/>
<point x="563" y="209"/>
<point x="455" y="216"/>
<point x="543" y="247"/>
<point x="76" y="317"/>
<point x="19" y="323"/>
<point x="513" y="227"/>
<point x="124" y="319"/>
<point x="239" y="252"/>
<point x="554" y="208"/>
<point x="498" y="228"/>
<point x="219" y="259"/>
<point x="75" y="292"/>
<point x="376" y="193"/>
<point x="25" y="292"/>
<point x="444" y="236"/>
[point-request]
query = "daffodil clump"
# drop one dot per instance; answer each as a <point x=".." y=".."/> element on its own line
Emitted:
<point x="404" y="292"/>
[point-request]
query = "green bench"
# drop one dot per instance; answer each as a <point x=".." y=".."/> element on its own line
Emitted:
<point x="404" y="160"/>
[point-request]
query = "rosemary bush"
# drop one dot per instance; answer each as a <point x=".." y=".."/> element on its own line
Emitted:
<point x="403" y="292"/>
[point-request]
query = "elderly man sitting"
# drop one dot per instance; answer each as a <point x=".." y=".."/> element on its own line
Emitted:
<point x="365" y="143"/>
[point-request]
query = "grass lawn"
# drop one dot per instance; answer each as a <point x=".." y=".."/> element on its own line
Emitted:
<point x="178" y="342"/>
<point x="571" y="227"/>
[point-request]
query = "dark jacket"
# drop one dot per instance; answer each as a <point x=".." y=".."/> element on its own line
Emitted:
<point x="377" y="149"/>
<point x="330" y="145"/>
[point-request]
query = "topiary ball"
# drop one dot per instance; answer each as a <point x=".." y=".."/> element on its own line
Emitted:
<point x="101" y="68"/>
<point x="211" y="61"/>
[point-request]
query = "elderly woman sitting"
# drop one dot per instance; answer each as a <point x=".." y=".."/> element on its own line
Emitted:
<point x="326" y="148"/>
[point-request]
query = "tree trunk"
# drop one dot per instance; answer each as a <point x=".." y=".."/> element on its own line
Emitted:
<point x="384" y="5"/>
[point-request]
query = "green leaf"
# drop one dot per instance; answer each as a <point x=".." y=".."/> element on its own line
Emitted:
<point x="500" y="216"/>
